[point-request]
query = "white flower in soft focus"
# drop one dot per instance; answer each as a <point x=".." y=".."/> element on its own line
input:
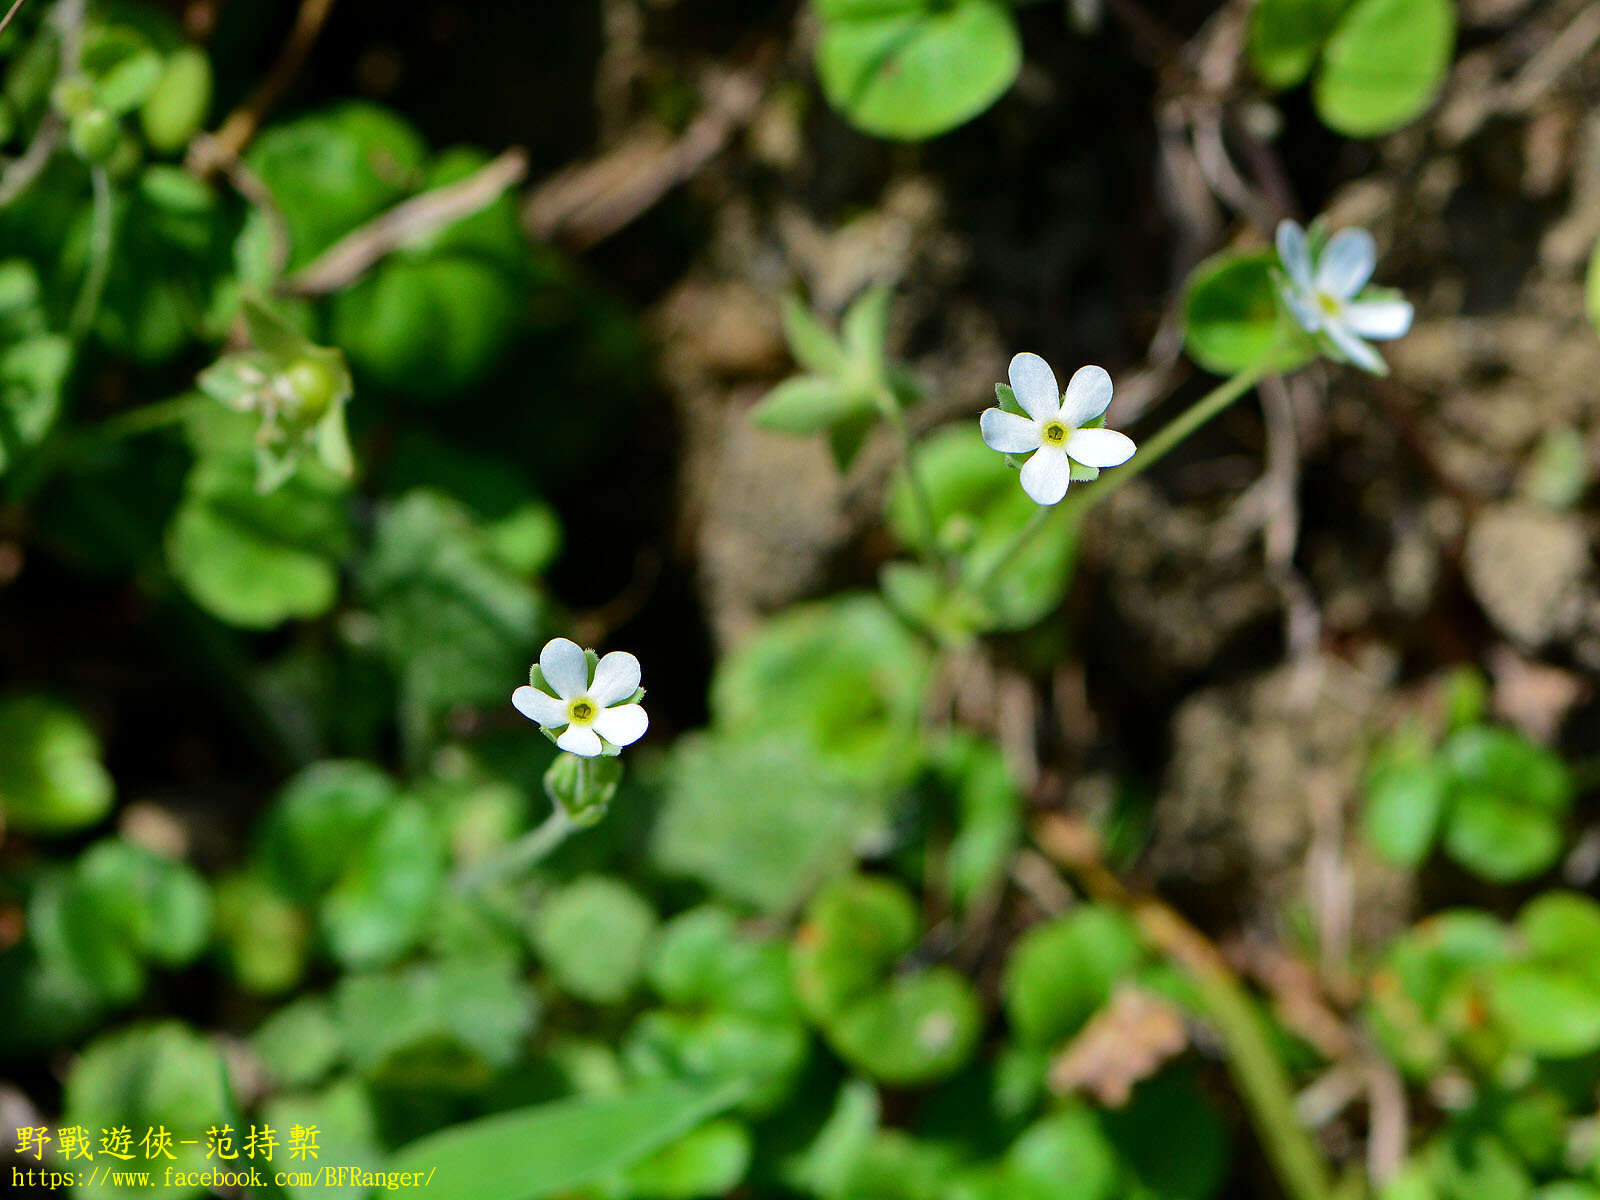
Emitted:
<point x="1053" y="430"/>
<point x="1321" y="295"/>
<point x="587" y="710"/>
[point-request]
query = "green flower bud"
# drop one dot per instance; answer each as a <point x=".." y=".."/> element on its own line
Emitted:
<point x="72" y="96"/>
<point x="95" y="135"/>
<point x="313" y="386"/>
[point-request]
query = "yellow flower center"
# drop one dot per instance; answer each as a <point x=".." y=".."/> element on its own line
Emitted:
<point x="1054" y="433"/>
<point x="1329" y="305"/>
<point x="582" y="711"/>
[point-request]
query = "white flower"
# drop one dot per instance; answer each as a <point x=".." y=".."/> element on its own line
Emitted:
<point x="1053" y="430"/>
<point x="587" y="710"/>
<point x="1322" y="295"/>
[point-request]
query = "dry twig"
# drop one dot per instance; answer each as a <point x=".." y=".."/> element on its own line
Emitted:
<point x="352" y="255"/>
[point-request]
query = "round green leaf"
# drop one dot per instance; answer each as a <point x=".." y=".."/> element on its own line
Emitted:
<point x="1062" y="971"/>
<point x="916" y="1029"/>
<point x="593" y="935"/>
<point x="1405" y="800"/>
<point x="51" y="779"/>
<point x="1547" y="1011"/>
<point x="1232" y="315"/>
<point x="1286" y="36"/>
<point x="1384" y="64"/>
<point x="915" y="70"/>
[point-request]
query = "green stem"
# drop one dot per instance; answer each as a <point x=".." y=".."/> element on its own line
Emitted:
<point x="1261" y="1077"/>
<point x="102" y="237"/>
<point x="1174" y="433"/>
<point x="526" y="852"/>
<point x="921" y="498"/>
<point x="146" y="419"/>
<point x="1019" y="541"/>
<point x="1169" y="437"/>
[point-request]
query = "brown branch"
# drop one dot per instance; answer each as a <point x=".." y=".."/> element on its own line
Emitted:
<point x="210" y="154"/>
<point x="6" y="20"/>
<point x="352" y="255"/>
<point x="589" y="202"/>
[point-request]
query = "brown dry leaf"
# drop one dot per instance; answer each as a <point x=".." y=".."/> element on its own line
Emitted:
<point x="1126" y="1041"/>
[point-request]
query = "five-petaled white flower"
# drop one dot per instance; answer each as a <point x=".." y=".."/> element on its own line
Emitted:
<point x="1053" y="430"/>
<point x="585" y="709"/>
<point x="1321" y="295"/>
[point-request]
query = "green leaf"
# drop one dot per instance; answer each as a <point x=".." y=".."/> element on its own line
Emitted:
<point x="1563" y="928"/>
<point x="1061" y="972"/>
<point x="765" y="1054"/>
<point x="128" y="84"/>
<point x="759" y="822"/>
<point x="813" y="345"/>
<point x="592" y="934"/>
<point x="1547" y="1011"/>
<point x="1384" y="64"/>
<point x="330" y="171"/>
<point x="252" y="559"/>
<point x="854" y="931"/>
<point x="176" y="108"/>
<point x="143" y="1077"/>
<point x="388" y="888"/>
<point x="865" y="330"/>
<point x="554" y="1148"/>
<point x="978" y="506"/>
<point x="299" y="1044"/>
<point x="32" y="374"/>
<point x="1508" y="800"/>
<point x="1471" y="1164"/>
<point x="1232" y="314"/>
<point x="709" y="1161"/>
<point x="1286" y="37"/>
<point x="348" y="1133"/>
<point x="911" y="1031"/>
<point x="452" y="1024"/>
<point x="914" y="70"/>
<point x="1067" y="1144"/>
<point x="51" y="778"/>
<point x="451" y="617"/>
<point x="1405" y="802"/>
<point x="843" y="676"/>
<point x="262" y="936"/>
<point x="1161" y="1166"/>
<point x="702" y="959"/>
<point x="808" y="404"/>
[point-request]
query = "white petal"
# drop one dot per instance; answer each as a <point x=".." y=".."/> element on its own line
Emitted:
<point x="1347" y="263"/>
<point x="1045" y="477"/>
<point x="537" y="706"/>
<point x="1088" y="395"/>
<point x="1303" y="310"/>
<point x="580" y="740"/>
<point x="1035" y="385"/>
<point x="1100" y="447"/>
<point x="1294" y="254"/>
<point x="1355" y="350"/>
<point x="615" y="679"/>
<point x="1007" y="432"/>
<point x="565" y="668"/>
<point x="1380" y="319"/>
<point x="622" y="726"/>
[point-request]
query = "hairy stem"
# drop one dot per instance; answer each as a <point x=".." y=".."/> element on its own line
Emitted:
<point x="521" y="855"/>
<point x="921" y="498"/>
<point x="1262" y="1080"/>
<point x="102" y="238"/>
